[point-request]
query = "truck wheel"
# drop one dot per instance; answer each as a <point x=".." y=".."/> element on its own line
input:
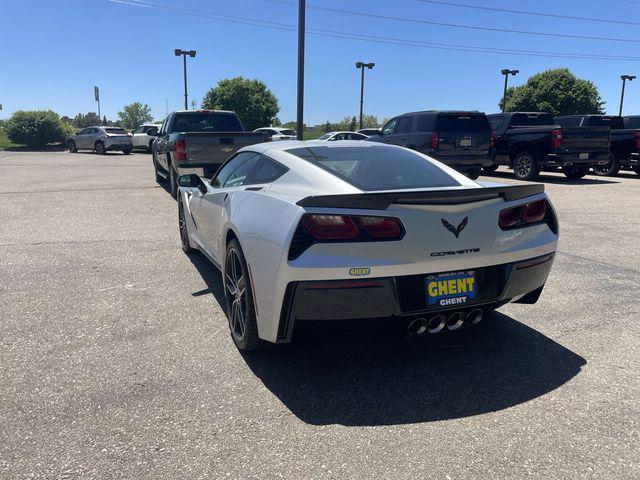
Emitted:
<point x="239" y="300"/>
<point x="637" y="169"/>
<point x="99" y="148"/>
<point x="473" y="173"/>
<point x="150" y="147"/>
<point x="611" y="169"/>
<point x="525" y="166"/>
<point x="490" y="168"/>
<point x="72" y="147"/>
<point x="575" y="172"/>
<point x="173" y="182"/>
<point x="156" y="170"/>
<point x="127" y="151"/>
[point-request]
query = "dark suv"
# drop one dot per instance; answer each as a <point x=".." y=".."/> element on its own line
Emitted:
<point x="461" y="140"/>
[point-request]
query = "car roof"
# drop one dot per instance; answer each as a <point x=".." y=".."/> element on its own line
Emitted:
<point x="204" y="110"/>
<point x="452" y="112"/>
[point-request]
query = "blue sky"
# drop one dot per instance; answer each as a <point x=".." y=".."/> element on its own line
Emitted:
<point x="55" y="52"/>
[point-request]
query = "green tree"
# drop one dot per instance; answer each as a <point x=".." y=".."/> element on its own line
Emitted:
<point x="254" y="103"/>
<point x="369" y="121"/>
<point x="556" y="91"/>
<point x="35" y="128"/>
<point x="81" y="120"/>
<point x="276" y="122"/>
<point x="135" y="115"/>
<point x="353" y="124"/>
<point x="327" y="127"/>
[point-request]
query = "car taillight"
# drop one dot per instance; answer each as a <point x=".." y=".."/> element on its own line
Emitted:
<point x="556" y="138"/>
<point x="381" y="227"/>
<point x="521" y="215"/>
<point x="347" y="227"/>
<point x="637" y="140"/>
<point x="434" y="140"/>
<point x="180" y="150"/>
<point x="492" y="140"/>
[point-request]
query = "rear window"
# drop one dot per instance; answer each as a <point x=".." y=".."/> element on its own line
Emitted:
<point x="206" y="122"/>
<point x="531" y="120"/>
<point x="463" y="123"/>
<point x="615" y="123"/>
<point x="632" y="122"/>
<point x="287" y="132"/>
<point x="121" y="131"/>
<point x="374" y="168"/>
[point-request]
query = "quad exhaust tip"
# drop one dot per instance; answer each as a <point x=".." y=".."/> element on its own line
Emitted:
<point x="436" y="323"/>
<point x="455" y="321"/>
<point x="417" y="326"/>
<point x="474" y="317"/>
<point x="420" y="326"/>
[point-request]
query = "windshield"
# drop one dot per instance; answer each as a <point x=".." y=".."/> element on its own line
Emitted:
<point x="614" y="122"/>
<point x="325" y="136"/>
<point x="120" y="131"/>
<point x="206" y="122"/>
<point x="532" y="120"/>
<point x="463" y="123"/>
<point x="632" y="122"/>
<point x="373" y="168"/>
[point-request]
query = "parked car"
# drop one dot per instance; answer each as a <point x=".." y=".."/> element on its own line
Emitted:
<point x="625" y="142"/>
<point x="334" y="136"/>
<point x="529" y="142"/>
<point x="101" y="140"/>
<point x="198" y="141"/>
<point x="141" y="138"/>
<point x="370" y="131"/>
<point x="461" y="140"/>
<point x="301" y="235"/>
<point x="276" y="133"/>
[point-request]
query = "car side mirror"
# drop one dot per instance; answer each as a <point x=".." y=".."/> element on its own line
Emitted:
<point x="192" y="181"/>
<point x="152" y="132"/>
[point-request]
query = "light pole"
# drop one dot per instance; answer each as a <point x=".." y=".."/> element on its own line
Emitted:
<point x="184" y="53"/>
<point x="506" y="72"/>
<point x="624" y="80"/>
<point x="362" y="66"/>
<point x="300" y="113"/>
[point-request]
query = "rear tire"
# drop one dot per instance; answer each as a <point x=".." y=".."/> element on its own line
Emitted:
<point x="239" y="300"/>
<point x="173" y="182"/>
<point x="127" y="151"/>
<point x="99" y="148"/>
<point x="611" y="169"/>
<point x="473" y="173"/>
<point x="156" y="170"/>
<point x="490" y="168"/>
<point x="575" y="173"/>
<point x="525" y="166"/>
<point x="150" y="147"/>
<point x="72" y="146"/>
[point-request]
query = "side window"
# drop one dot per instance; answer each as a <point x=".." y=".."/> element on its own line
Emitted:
<point x="266" y="171"/>
<point x="165" y="125"/>
<point x="139" y="130"/>
<point x="388" y="128"/>
<point x="227" y="169"/>
<point x="83" y="131"/>
<point x="496" y="122"/>
<point x="404" y="125"/>
<point x="240" y="175"/>
<point x="425" y="124"/>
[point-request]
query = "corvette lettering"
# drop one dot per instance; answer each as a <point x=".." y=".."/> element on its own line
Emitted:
<point x="455" y="252"/>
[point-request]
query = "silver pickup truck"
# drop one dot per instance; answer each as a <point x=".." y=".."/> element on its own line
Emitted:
<point x="197" y="141"/>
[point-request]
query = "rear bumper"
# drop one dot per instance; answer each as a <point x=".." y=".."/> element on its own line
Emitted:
<point x="405" y="297"/>
<point x="119" y="146"/>
<point x="573" y="159"/>
<point x="462" y="161"/>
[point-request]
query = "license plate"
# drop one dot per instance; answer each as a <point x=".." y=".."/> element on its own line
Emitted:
<point x="465" y="142"/>
<point x="453" y="288"/>
<point x="584" y="156"/>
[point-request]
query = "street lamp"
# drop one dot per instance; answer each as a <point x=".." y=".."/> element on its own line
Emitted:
<point x="184" y="53"/>
<point x="506" y="72"/>
<point x="624" y="80"/>
<point x="362" y="66"/>
<point x="300" y="106"/>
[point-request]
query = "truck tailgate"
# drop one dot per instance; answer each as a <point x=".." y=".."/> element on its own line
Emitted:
<point x="585" y="139"/>
<point x="213" y="148"/>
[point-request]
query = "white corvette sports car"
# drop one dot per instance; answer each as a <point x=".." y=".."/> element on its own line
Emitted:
<point x="311" y="231"/>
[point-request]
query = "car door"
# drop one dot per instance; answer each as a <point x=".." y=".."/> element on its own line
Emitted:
<point x="402" y="134"/>
<point x="138" y="135"/>
<point x="93" y="136"/>
<point x="388" y="129"/>
<point x="208" y="209"/>
<point x="81" y="138"/>
<point x="161" y="143"/>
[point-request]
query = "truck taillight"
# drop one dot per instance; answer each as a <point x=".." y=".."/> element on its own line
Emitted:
<point x="636" y="136"/>
<point x="434" y="140"/>
<point x="180" y="150"/>
<point x="556" y="138"/>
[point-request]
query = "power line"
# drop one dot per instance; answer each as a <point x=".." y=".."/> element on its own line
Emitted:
<point x="526" y="12"/>
<point x="368" y="38"/>
<point x="455" y="25"/>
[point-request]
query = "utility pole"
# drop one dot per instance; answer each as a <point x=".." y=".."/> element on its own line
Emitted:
<point x="184" y="53"/>
<point x="96" y="94"/>
<point x="362" y="66"/>
<point x="300" y="113"/>
<point x="506" y="72"/>
<point x="624" y="80"/>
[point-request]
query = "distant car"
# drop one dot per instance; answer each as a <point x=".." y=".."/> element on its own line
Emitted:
<point x="101" y="140"/>
<point x="333" y="136"/>
<point x="278" y="133"/>
<point x="141" y="139"/>
<point x="370" y="131"/>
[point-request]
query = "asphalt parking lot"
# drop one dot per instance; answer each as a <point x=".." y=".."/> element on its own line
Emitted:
<point x="117" y="363"/>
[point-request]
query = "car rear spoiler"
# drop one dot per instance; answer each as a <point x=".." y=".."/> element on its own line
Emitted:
<point x="380" y="201"/>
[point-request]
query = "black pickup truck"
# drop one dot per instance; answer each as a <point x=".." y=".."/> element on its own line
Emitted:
<point x="625" y="141"/>
<point x="530" y="142"/>
<point x="197" y="141"/>
<point x="461" y="140"/>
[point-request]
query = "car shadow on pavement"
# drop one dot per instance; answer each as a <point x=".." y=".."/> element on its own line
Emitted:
<point x="546" y="178"/>
<point x="367" y="379"/>
<point x="210" y="275"/>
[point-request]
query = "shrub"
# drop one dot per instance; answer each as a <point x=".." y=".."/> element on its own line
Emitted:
<point x="67" y="131"/>
<point x="35" y="128"/>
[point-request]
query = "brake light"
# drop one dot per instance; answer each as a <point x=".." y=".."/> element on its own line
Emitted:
<point x="180" y="150"/>
<point x="637" y="140"/>
<point x="434" y="140"/>
<point x="381" y="227"/>
<point x="556" y="138"/>
<point x="492" y="140"/>
<point x="522" y="215"/>
<point x="346" y="227"/>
